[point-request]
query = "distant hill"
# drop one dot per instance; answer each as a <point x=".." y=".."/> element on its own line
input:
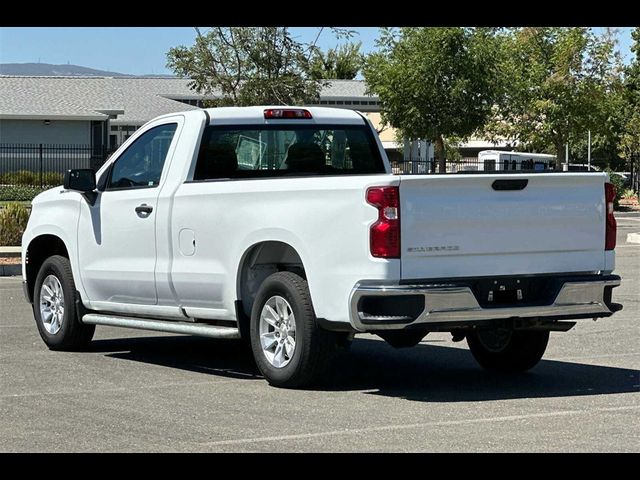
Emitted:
<point x="49" y="70"/>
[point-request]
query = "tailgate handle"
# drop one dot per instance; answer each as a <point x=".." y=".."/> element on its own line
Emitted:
<point x="518" y="184"/>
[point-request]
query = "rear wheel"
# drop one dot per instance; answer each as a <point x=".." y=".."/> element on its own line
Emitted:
<point x="508" y="350"/>
<point x="54" y="307"/>
<point x="288" y="346"/>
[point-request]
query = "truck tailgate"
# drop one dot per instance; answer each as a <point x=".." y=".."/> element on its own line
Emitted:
<point x="460" y="226"/>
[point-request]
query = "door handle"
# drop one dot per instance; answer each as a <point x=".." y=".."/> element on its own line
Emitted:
<point x="144" y="209"/>
<point x="510" y="184"/>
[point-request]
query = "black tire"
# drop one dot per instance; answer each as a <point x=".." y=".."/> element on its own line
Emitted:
<point x="403" y="338"/>
<point x="72" y="334"/>
<point x="314" y="347"/>
<point x="519" y="351"/>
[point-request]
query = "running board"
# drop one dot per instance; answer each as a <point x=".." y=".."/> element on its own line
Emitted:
<point x="198" y="329"/>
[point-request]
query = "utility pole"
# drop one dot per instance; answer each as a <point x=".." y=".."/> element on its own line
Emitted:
<point x="589" y="152"/>
<point x="566" y="157"/>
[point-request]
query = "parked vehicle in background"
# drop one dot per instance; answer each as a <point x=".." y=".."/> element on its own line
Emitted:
<point x="497" y="160"/>
<point x="285" y="226"/>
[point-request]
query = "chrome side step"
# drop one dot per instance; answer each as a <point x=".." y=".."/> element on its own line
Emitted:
<point x="198" y="329"/>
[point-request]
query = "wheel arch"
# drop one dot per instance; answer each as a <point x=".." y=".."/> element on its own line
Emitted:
<point x="38" y="250"/>
<point x="259" y="261"/>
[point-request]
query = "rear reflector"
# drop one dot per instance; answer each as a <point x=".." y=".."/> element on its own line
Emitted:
<point x="289" y="113"/>
<point x="384" y="236"/>
<point x="611" y="226"/>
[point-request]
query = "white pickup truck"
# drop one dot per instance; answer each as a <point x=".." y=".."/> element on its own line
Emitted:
<point x="286" y="227"/>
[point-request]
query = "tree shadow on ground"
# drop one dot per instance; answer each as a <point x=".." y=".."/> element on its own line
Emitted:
<point x="427" y="372"/>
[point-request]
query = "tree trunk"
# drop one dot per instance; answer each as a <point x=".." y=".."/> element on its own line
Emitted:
<point x="442" y="166"/>
<point x="560" y="155"/>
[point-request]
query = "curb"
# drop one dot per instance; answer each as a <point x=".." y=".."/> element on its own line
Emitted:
<point x="10" y="251"/>
<point x="633" y="238"/>
<point x="10" y="270"/>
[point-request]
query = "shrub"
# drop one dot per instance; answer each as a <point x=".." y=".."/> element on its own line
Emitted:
<point x="618" y="182"/>
<point x="18" y="192"/>
<point x="26" y="177"/>
<point x="22" y="177"/>
<point x="629" y="194"/>
<point x="52" y="178"/>
<point x="13" y="221"/>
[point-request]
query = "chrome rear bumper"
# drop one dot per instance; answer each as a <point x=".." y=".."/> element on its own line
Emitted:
<point x="448" y="302"/>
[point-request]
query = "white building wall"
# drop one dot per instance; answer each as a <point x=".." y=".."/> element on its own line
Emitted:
<point x="76" y="132"/>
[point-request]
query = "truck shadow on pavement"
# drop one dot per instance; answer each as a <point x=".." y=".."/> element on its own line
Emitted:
<point x="224" y="358"/>
<point x="433" y="373"/>
<point x="427" y="372"/>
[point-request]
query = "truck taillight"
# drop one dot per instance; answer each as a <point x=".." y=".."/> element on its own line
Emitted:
<point x="384" y="236"/>
<point x="287" y="113"/>
<point x="611" y="227"/>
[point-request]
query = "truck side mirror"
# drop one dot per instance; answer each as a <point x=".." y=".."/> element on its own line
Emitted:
<point x="82" y="180"/>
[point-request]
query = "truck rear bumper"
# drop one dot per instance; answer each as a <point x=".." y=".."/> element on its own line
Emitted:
<point x="390" y="307"/>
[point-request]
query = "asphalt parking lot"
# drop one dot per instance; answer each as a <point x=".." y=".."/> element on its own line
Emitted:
<point x="137" y="391"/>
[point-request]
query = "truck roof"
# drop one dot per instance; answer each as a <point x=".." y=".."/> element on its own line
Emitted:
<point x="252" y="115"/>
<point x="255" y="115"/>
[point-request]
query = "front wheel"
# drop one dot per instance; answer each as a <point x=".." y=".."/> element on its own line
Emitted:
<point x="289" y="348"/>
<point x="508" y="350"/>
<point x="54" y="307"/>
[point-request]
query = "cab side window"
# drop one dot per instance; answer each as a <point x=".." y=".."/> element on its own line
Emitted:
<point x="141" y="164"/>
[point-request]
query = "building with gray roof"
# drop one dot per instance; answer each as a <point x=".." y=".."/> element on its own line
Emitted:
<point x="106" y="110"/>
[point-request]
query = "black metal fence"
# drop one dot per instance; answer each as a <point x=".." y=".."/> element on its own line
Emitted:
<point x="468" y="165"/>
<point x="41" y="164"/>
<point x="422" y="166"/>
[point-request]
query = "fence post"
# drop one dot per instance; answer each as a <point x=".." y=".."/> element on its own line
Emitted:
<point x="41" y="185"/>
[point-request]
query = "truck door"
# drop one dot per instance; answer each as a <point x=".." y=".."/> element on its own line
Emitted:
<point x="117" y="235"/>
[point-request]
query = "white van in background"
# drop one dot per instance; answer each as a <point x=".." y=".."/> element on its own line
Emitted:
<point x="495" y="160"/>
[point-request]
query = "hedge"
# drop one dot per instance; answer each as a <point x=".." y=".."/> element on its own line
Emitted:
<point x="26" y="177"/>
<point x="19" y="192"/>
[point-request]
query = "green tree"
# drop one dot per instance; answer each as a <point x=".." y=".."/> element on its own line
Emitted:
<point x="246" y="66"/>
<point x="561" y="82"/>
<point x="434" y="82"/>
<point x="343" y="62"/>
<point x="629" y="146"/>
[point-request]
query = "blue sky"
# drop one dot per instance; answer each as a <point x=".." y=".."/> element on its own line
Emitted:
<point x="141" y="50"/>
